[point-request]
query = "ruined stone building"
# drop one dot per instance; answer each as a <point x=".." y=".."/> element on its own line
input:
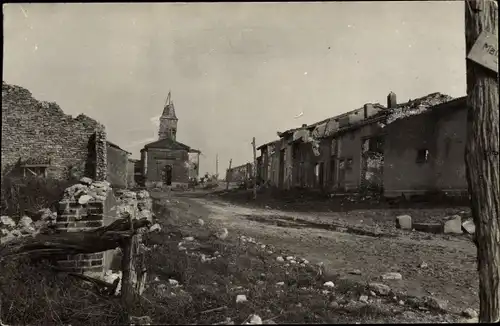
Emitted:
<point x="39" y="139"/>
<point x="407" y="148"/>
<point x="167" y="161"/>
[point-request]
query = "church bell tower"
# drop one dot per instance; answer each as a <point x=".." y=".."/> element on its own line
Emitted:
<point x="168" y="120"/>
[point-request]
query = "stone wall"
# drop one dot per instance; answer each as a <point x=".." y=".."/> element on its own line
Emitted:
<point x="117" y="167"/>
<point x="157" y="159"/>
<point x="34" y="130"/>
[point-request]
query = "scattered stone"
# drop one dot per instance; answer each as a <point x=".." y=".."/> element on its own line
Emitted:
<point x="355" y="272"/>
<point x="280" y="283"/>
<point x="269" y="252"/>
<point x="409" y="315"/>
<point x="201" y="222"/>
<point x="373" y="294"/>
<point x="181" y="248"/>
<point x="379" y="288"/>
<point x="254" y="320"/>
<point x="222" y="234"/>
<point x="263" y="246"/>
<point x="363" y="298"/>
<point x="435" y="303"/>
<point x="155" y="227"/>
<point x="144" y="320"/>
<point x="423" y="265"/>
<point x="329" y="284"/>
<point x="401" y="302"/>
<point x="86" y="181"/>
<point x="392" y="276"/>
<point x="7" y="222"/>
<point x="404" y="222"/>
<point x="289" y="258"/>
<point x="469" y="313"/>
<point x="453" y="225"/>
<point x="469" y="226"/>
<point x="84" y="199"/>
<point x="188" y="239"/>
<point x="241" y="298"/>
<point x="280" y="259"/>
<point x="173" y="282"/>
<point x="293" y="262"/>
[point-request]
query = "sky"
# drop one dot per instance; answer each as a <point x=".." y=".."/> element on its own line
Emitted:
<point x="235" y="70"/>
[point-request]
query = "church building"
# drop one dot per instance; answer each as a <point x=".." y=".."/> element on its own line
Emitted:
<point x="167" y="162"/>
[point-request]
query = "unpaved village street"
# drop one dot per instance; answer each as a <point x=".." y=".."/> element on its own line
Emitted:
<point x="352" y="246"/>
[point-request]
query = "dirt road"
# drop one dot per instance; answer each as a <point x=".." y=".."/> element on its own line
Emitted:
<point x="346" y="242"/>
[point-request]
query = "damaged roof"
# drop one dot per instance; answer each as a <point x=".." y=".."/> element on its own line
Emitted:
<point x="267" y="144"/>
<point x="117" y="147"/>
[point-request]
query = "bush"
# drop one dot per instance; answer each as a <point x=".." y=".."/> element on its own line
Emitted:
<point x="19" y="195"/>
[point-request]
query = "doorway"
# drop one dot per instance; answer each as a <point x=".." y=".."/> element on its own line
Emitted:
<point x="167" y="176"/>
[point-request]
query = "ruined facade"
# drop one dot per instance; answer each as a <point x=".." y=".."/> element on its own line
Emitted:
<point x="39" y="139"/>
<point x="117" y="167"/>
<point x="361" y="150"/>
<point x="167" y="161"/>
<point x="425" y="152"/>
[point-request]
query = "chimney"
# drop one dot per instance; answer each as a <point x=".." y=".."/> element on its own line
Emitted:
<point x="304" y="125"/>
<point x="391" y="101"/>
<point x="368" y="109"/>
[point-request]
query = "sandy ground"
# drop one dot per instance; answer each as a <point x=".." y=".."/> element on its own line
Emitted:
<point x="354" y="240"/>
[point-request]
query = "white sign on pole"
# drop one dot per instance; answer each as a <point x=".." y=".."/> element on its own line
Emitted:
<point x="485" y="51"/>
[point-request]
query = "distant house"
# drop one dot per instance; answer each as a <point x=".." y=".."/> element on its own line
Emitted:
<point x="425" y="151"/>
<point x="167" y="161"/>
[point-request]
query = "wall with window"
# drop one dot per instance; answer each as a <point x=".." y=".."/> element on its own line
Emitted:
<point x="425" y="152"/>
<point x="39" y="131"/>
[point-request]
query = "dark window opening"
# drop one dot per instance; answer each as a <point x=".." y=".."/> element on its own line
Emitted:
<point x="422" y="156"/>
<point x="348" y="164"/>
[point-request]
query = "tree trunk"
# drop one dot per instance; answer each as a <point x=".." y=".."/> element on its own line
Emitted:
<point x="482" y="159"/>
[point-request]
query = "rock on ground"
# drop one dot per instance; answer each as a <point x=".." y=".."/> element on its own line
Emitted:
<point x="392" y="276"/>
<point x="453" y="225"/>
<point x="404" y="222"/>
<point x="379" y="288"/>
<point x="469" y="226"/>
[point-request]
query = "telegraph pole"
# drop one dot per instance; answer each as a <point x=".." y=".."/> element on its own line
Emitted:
<point x="254" y="169"/>
<point x="482" y="147"/>
<point x="217" y="166"/>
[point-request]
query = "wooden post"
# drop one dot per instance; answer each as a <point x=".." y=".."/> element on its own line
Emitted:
<point x="254" y="169"/>
<point x="217" y="165"/>
<point x="127" y="290"/>
<point x="228" y="174"/>
<point x="482" y="147"/>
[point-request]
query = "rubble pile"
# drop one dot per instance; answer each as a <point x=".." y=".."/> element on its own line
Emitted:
<point x="137" y="204"/>
<point x="43" y="222"/>
<point x="87" y="191"/>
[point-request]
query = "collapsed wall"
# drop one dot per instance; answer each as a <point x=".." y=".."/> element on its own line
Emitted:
<point x="35" y="132"/>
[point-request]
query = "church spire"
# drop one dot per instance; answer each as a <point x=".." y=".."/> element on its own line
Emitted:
<point x="168" y="108"/>
<point x="168" y="120"/>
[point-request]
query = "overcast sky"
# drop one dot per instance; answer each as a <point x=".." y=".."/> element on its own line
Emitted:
<point x="236" y="70"/>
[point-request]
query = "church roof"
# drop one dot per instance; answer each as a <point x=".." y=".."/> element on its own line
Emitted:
<point x="168" y="143"/>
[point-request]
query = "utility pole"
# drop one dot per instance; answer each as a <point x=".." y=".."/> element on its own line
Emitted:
<point x="254" y="169"/>
<point x="217" y="166"/>
<point x="482" y="147"/>
<point x="228" y="174"/>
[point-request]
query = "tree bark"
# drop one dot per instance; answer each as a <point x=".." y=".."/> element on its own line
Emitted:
<point x="482" y="159"/>
<point x="254" y="169"/>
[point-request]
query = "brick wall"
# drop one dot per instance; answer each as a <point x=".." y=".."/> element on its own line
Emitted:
<point x="73" y="217"/>
<point x="41" y="130"/>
